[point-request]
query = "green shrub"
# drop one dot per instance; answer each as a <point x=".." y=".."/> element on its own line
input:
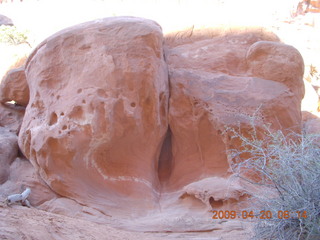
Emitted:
<point x="11" y="35"/>
<point x="287" y="168"/>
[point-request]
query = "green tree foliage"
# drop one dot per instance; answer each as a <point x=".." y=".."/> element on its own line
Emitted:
<point x="11" y="35"/>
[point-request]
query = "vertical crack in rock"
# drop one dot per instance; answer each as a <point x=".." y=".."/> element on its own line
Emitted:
<point x="165" y="159"/>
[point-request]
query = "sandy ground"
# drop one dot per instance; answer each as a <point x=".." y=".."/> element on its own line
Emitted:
<point x="21" y="223"/>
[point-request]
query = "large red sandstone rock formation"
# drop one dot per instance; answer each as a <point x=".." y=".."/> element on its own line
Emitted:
<point x="100" y="128"/>
<point x="223" y="82"/>
<point x="97" y="113"/>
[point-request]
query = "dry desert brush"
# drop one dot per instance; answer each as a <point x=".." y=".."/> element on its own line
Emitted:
<point x="284" y="170"/>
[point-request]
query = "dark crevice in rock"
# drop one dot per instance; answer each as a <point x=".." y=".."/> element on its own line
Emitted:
<point x="165" y="159"/>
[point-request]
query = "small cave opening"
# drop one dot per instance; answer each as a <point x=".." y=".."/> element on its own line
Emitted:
<point x="215" y="204"/>
<point x="165" y="159"/>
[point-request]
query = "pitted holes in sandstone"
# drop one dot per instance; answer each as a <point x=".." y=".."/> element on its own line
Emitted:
<point x="215" y="204"/>
<point x="64" y="127"/>
<point x="58" y="97"/>
<point x="79" y="90"/>
<point x="84" y="101"/>
<point x="133" y="104"/>
<point x="76" y="113"/>
<point x="53" y="119"/>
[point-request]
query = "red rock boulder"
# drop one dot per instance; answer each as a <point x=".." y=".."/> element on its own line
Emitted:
<point x="225" y="82"/>
<point x="97" y="113"/>
<point x="14" y="87"/>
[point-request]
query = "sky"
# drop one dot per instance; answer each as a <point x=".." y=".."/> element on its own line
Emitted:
<point x="45" y="17"/>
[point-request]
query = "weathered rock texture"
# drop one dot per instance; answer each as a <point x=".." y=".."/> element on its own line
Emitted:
<point x="22" y="174"/>
<point x="96" y="125"/>
<point x="225" y="81"/>
<point x="11" y="116"/>
<point x="8" y="152"/>
<point x="277" y="62"/>
<point x="97" y="113"/>
<point x="15" y="87"/>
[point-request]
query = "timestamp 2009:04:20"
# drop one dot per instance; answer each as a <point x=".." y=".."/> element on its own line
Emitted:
<point x="225" y="214"/>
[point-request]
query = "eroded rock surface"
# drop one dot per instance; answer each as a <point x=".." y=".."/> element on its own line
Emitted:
<point x="11" y="116"/>
<point x="226" y="81"/>
<point x="101" y="130"/>
<point x="22" y="174"/>
<point x="8" y="152"/>
<point x="97" y="113"/>
<point x="14" y="87"/>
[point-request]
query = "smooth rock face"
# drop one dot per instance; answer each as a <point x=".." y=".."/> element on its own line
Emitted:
<point x="15" y="87"/>
<point x="277" y="62"/>
<point x="97" y="113"/>
<point x="8" y="152"/>
<point x="224" y="82"/>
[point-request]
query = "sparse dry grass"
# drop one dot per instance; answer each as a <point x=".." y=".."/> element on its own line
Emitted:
<point x="288" y="168"/>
